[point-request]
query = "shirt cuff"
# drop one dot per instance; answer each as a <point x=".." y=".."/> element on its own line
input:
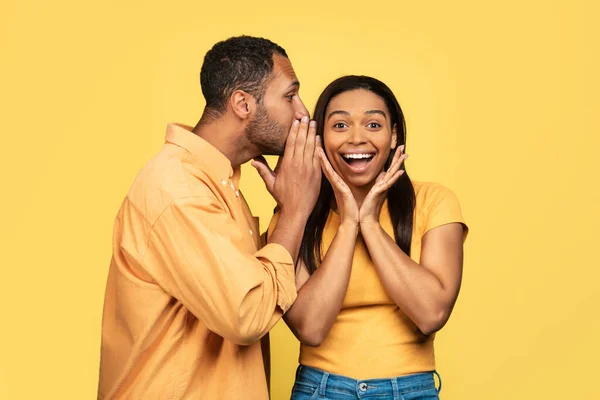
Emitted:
<point x="283" y="264"/>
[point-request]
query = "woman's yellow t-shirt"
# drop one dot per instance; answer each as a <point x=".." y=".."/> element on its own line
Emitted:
<point x="371" y="337"/>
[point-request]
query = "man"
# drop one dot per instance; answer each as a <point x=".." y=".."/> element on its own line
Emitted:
<point x="189" y="292"/>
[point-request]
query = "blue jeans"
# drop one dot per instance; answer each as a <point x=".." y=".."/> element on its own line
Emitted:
<point x="314" y="384"/>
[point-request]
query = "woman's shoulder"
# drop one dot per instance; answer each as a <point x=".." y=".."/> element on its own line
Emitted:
<point x="436" y="205"/>
<point x="431" y="194"/>
<point x="427" y="189"/>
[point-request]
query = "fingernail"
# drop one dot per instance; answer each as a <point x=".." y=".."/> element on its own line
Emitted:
<point x="402" y="148"/>
<point x="305" y="119"/>
<point x="313" y="124"/>
<point x="296" y="122"/>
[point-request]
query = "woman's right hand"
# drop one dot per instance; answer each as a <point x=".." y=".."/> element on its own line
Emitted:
<point x="346" y="204"/>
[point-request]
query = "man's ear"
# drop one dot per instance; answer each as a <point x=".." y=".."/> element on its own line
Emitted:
<point x="242" y="104"/>
<point x="394" y="137"/>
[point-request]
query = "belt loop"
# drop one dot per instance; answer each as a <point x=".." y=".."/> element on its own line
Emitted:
<point x="395" y="390"/>
<point x="439" y="379"/>
<point x="323" y="386"/>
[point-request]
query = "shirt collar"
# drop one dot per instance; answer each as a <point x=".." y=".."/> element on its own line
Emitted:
<point x="217" y="165"/>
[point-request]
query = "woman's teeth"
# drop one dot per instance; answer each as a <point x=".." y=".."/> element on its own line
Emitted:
<point x="357" y="156"/>
<point x="358" y="162"/>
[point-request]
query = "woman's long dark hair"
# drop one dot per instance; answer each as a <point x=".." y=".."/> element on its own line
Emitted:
<point x="401" y="196"/>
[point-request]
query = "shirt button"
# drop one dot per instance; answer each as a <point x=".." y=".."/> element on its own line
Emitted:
<point x="363" y="387"/>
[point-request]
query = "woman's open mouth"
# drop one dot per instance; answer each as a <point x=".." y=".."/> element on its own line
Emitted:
<point x="358" y="162"/>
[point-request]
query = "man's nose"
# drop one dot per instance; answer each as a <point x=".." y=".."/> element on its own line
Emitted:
<point x="301" y="110"/>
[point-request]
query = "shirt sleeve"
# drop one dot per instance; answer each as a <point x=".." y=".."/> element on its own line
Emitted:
<point x="443" y="209"/>
<point x="196" y="253"/>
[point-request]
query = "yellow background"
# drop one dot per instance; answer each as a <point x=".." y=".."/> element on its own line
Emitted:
<point x="501" y="101"/>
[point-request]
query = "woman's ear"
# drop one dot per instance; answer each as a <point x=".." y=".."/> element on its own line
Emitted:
<point x="394" y="142"/>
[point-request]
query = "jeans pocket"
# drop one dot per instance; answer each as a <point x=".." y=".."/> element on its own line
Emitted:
<point x="303" y="391"/>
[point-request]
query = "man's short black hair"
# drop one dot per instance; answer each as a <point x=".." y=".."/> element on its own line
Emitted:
<point x="238" y="63"/>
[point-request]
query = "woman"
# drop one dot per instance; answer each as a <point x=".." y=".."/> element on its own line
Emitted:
<point x="380" y="264"/>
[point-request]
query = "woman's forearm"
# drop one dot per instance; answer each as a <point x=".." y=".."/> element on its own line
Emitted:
<point x="425" y="298"/>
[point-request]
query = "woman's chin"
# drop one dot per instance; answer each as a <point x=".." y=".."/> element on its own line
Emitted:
<point x="362" y="181"/>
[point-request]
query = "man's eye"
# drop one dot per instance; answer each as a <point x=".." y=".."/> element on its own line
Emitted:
<point x="374" y="125"/>
<point x="290" y="97"/>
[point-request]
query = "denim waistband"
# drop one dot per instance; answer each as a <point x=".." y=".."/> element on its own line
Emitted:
<point x="397" y="386"/>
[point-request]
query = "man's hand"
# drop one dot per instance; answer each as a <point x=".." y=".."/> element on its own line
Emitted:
<point x="297" y="182"/>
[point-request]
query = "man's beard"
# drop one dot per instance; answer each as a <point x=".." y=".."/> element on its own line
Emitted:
<point x="266" y="134"/>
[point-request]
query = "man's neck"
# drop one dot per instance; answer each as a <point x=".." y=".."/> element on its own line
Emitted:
<point x="227" y="138"/>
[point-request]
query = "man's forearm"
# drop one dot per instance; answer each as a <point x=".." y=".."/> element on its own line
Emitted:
<point x="320" y="299"/>
<point x="288" y="232"/>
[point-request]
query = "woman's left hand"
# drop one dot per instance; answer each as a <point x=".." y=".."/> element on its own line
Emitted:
<point x="371" y="206"/>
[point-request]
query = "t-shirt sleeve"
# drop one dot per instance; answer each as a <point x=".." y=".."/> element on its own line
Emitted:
<point x="444" y="209"/>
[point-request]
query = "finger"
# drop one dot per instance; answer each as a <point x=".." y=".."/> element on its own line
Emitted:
<point x="325" y="166"/>
<point x="318" y="145"/>
<point x="397" y="155"/>
<point x="392" y="170"/>
<point x="264" y="171"/>
<point x="309" y="149"/>
<point x="401" y="160"/>
<point x="379" y="183"/>
<point x="396" y="165"/>
<point x="301" y="138"/>
<point x="291" y="140"/>
<point x="278" y="165"/>
<point x="388" y="183"/>
<point x="330" y="173"/>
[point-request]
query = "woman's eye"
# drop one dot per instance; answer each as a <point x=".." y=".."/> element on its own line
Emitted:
<point x="374" y="125"/>
<point x="339" y="125"/>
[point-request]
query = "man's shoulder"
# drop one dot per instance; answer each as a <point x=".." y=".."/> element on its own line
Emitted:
<point x="166" y="178"/>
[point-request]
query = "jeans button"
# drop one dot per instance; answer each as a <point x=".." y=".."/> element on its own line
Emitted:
<point x="363" y="387"/>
